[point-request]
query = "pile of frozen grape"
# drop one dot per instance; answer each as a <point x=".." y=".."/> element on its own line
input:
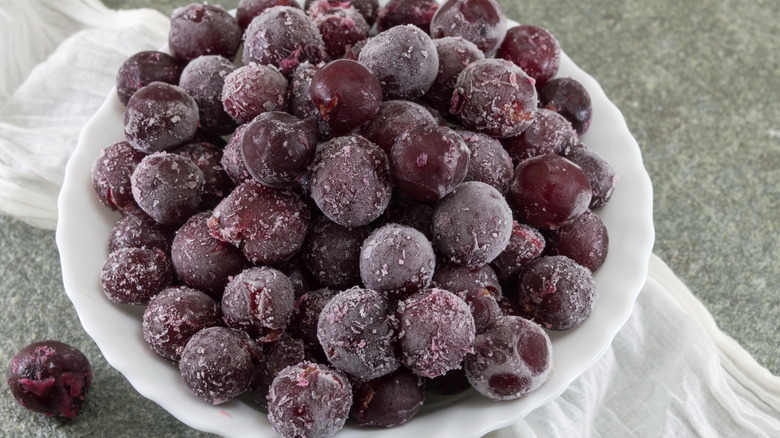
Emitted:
<point x="371" y="204"/>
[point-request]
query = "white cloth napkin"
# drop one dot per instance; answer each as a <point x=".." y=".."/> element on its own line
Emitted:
<point x="669" y="372"/>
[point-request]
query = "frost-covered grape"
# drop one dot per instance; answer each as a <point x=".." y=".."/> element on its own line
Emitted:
<point x="332" y="253"/>
<point x="202" y="29"/>
<point x="216" y="182"/>
<point x="489" y="162"/>
<point x="252" y="90"/>
<point x="137" y="230"/>
<point x="203" y="79"/>
<point x="389" y="400"/>
<point x="135" y="275"/>
<point x="258" y="301"/>
<point x="111" y="175"/>
<point x="550" y="133"/>
<point x="160" y="116"/>
<point x="480" y="21"/>
<point x="455" y="54"/>
<point x="525" y="244"/>
<point x="534" y="49"/>
<point x="600" y="173"/>
<point x="569" y="98"/>
<point x="142" y="69"/>
<point x="585" y="241"/>
<point x="394" y="118"/>
<point x="167" y="187"/>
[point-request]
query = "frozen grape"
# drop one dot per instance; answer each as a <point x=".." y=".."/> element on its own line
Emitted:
<point x="369" y="9"/>
<point x="233" y="159"/>
<point x="111" y="175"/>
<point x="600" y="174"/>
<point x="388" y="401"/>
<point x="472" y="225"/>
<point x="525" y="244"/>
<point x="160" y="116"/>
<point x="512" y="358"/>
<point x="137" y="230"/>
<point x="585" y="241"/>
<point x="247" y="10"/>
<point x="356" y="331"/>
<point x="401" y="12"/>
<point x="479" y="288"/>
<point x="489" y="162"/>
<point x="394" y="118"/>
<point x="216" y="182"/>
<point x="455" y="54"/>
<point x="167" y="187"/>
<point x="202" y="29"/>
<point x="534" y="49"/>
<point x="332" y="253"/>
<point x="550" y="133"/>
<point x="306" y="315"/>
<point x="203" y="79"/>
<point x="480" y="21"/>
<point x="142" y="69"/>
<point x="569" y="98"/>
<point x="285" y="351"/>
<point x="135" y="275"/>
<point x="341" y="26"/>
<point x="258" y="301"/>
<point x="252" y="90"/>
<point x="397" y="260"/>
<point x="50" y="377"/>
<point x="174" y="315"/>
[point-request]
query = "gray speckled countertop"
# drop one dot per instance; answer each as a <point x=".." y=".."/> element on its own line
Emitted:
<point x="699" y="85"/>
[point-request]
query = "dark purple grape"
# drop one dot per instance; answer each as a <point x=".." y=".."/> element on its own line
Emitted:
<point x="218" y="363"/>
<point x="160" y="116"/>
<point x="600" y="174"/>
<point x="388" y="401"/>
<point x="268" y="225"/>
<point x="478" y="287"/>
<point x="585" y="241"/>
<point x="525" y="244"/>
<point x="570" y="99"/>
<point x="489" y="162"/>
<point x="452" y="382"/>
<point x="111" y="175"/>
<point x="495" y="97"/>
<point x="556" y="292"/>
<point x="404" y="60"/>
<point x="512" y="358"/>
<point x="534" y="49"/>
<point x="137" y="230"/>
<point x="455" y="54"/>
<point x="168" y="187"/>
<point x="216" y="182"/>
<point x="429" y="161"/>
<point x="282" y="36"/>
<point x="369" y="9"/>
<point x="201" y="29"/>
<point x="142" y="69"/>
<point x="480" y="21"/>
<point x="401" y="12"/>
<point x="341" y="26"/>
<point x="397" y="261"/>
<point x="356" y="330"/>
<point x="436" y="332"/>
<point x="202" y="261"/>
<point x="50" y="377"/>
<point x="346" y="94"/>
<point x="135" y="275"/>
<point x="306" y="315"/>
<point x="277" y="355"/>
<point x="472" y="225"/>
<point x="550" y="133"/>
<point x="350" y="181"/>
<point x="549" y="191"/>
<point x="174" y="315"/>
<point x="203" y="79"/>
<point x="332" y="253"/>
<point x="309" y="400"/>
<point x="233" y="160"/>
<point x="404" y="211"/>
<point x="278" y="147"/>
<point x="394" y="118"/>
<point x="252" y="90"/>
<point x="247" y="10"/>
<point x="258" y="301"/>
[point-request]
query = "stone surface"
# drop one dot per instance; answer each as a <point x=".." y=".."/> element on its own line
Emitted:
<point x="699" y="85"/>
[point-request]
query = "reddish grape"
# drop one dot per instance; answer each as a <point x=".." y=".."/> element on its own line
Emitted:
<point x="436" y="332"/>
<point x="455" y="54"/>
<point x="525" y="244"/>
<point x="111" y="175"/>
<point x="404" y="60"/>
<point x="247" y="10"/>
<point x="137" y="230"/>
<point x="600" y="174"/>
<point x="216" y="182"/>
<point x="50" y="377"/>
<point x="570" y="99"/>
<point x="388" y="401"/>
<point x="306" y="315"/>
<point x="512" y="358"/>
<point x="278" y="147"/>
<point x="258" y="301"/>
<point x="489" y="162"/>
<point x="480" y="21"/>
<point x="332" y="253"/>
<point x="534" y="49"/>
<point x="160" y="116"/>
<point x="429" y="161"/>
<point x="233" y="159"/>
<point x="477" y="237"/>
<point x="585" y="241"/>
<point x="400" y="12"/>
<point x="309" y="400"/>
<point x="203" y="29"/>
<point x="548" y="191"/>
<point x="268" y="225"/>
<point x="350" y="181"/>
<point x="301" y="105"/>
<point x="174" y="315"/>
<point x="393" y="119"/>
<point x="167" y="187"/>
<point x="550" y="133"/>
<point x="346" y="94"/>
<point x="277" y="355"/>
<point x="478" y="287"/>
<point x="357" y="333"/>
<point x="252" y="90"/>
<point x="556" y="292"/>
<point x="203" y="79"/>
<point x="135" y="275"/>
<point x="284" y="37"/>
<point x="368" y="8"/>
<point x="397" y="260"/>
<point x="142" y="69"/>
<point x="341" y="27"/>
<point x="495" y="97"/>
<point x="202" y="261"/>
<point x="218" y="363"/>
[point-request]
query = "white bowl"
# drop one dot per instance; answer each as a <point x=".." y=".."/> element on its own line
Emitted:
<point x="84" y="226"/>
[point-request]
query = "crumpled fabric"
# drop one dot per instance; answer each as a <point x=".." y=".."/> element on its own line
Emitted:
<point x="670" y="372"/>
